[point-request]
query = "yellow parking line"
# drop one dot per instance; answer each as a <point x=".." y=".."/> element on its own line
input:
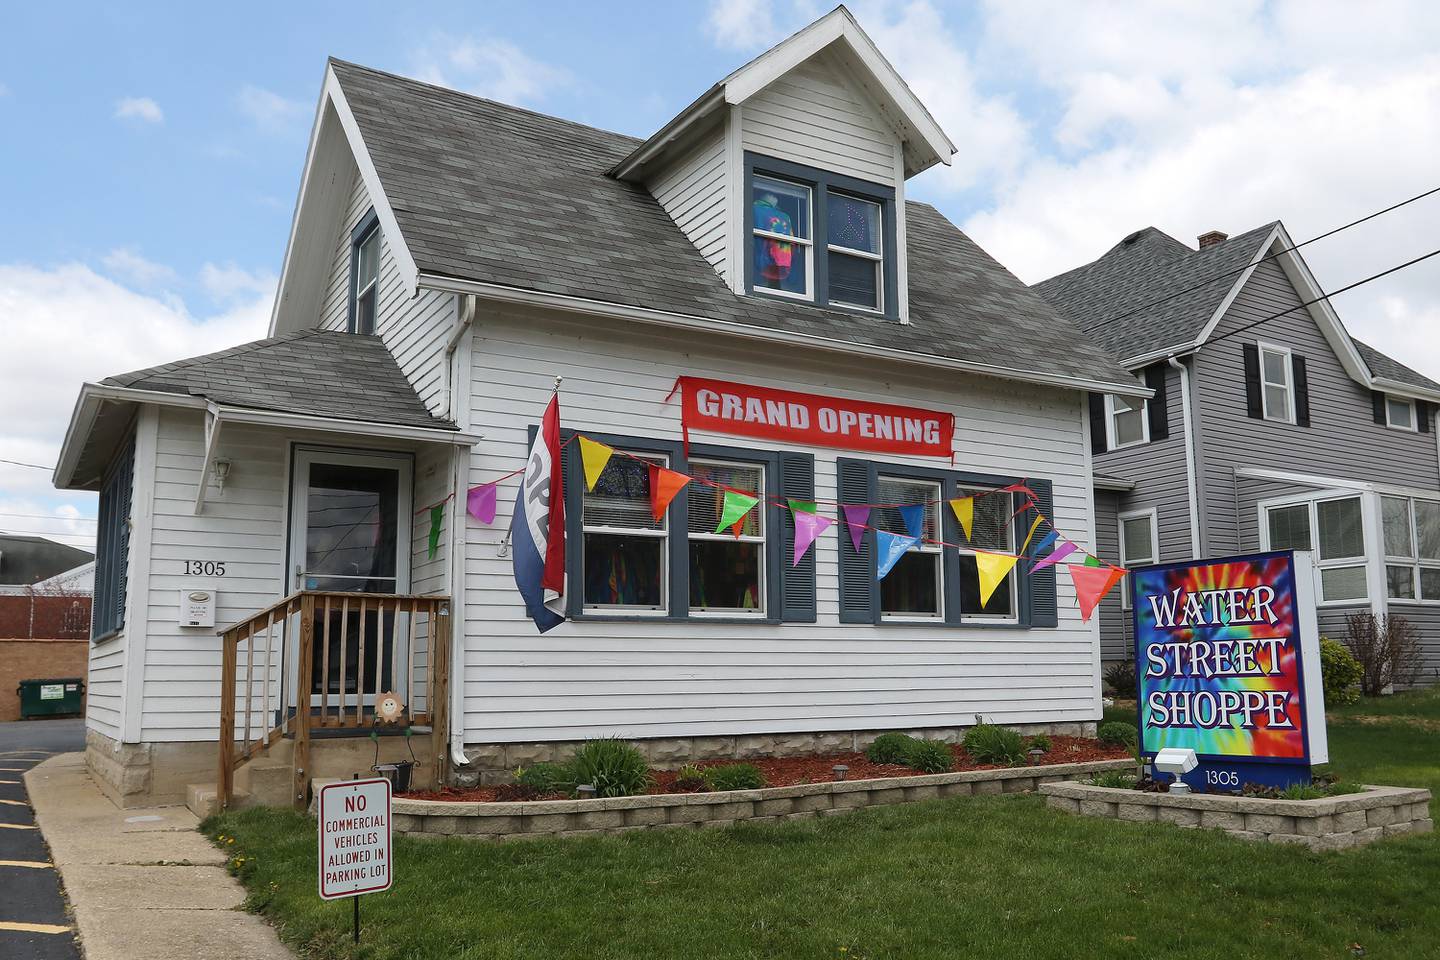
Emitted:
<point x="32" y="864"/>
<point x="10" y="781"/>
<point x="15" y="803"/>
<point x="12" y="769"/>
<point x="17" y="826"/>
<point x="32" y="927"/>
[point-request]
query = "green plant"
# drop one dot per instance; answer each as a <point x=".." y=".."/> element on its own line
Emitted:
<point x="1120" y="675"/>
<point x="1340" y="673"/>
<point x="890" y="748"/>
<point x="612" y="766"/>
<point x="1115" y="779"/>
<point x="930" y="756"/>
<point x="1116" y="733"/>
<point x="987" y="743"/>
<point x="1388" y="650"/>
<point x="690" y="779"/>
<point x="735" y="776"/>
<point x="1039" y="742"/>
<point x="542" y="778"/>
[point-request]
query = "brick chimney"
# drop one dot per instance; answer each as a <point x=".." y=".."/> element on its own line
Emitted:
<point x="1212" y="238"/>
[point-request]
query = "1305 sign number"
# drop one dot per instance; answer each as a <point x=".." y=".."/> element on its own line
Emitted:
<point x="204" y="568"/>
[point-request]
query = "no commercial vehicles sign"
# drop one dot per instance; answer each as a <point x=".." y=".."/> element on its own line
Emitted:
<point x="355" y="838"/>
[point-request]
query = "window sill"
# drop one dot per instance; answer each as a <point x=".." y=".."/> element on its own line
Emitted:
<point x="107" y="637"/>
<point x="962" y="625"/>
<point x="667" y="618"/>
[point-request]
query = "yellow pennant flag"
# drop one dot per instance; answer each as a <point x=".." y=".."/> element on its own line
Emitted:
<point x="595" y="456"/>
<point x="992" y="568"/>
<point x="1033" y="527"/>
<point x="964" y="508"/>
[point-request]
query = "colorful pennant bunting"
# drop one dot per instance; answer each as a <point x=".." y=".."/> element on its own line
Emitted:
<point x="664" y="485"/>
<point x="594" y="455"/>
<point x="1092" y="561"/>
<point x="802" y="506"/>
<point x="1044" y="543"/>
<point x="733" y="510"/>
<point x="1059" y="553"/>
<point x="437" y="519"/>
<point x="964" y="508"/>
<point x="992" y="569"/>
<point x="480" y="502"/>
<point x="1035" y="525"/>
<point x="892" y="547"/>
<point x="914" y="516"/>
<point x="808" y="526"/>
<point x="1091" y="585"/>
<point x="855" y="519"/>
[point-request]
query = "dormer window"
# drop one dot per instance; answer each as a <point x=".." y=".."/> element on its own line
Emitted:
<point x="820" y="236"/>
<point x="1127" y="424"/>
<point x="364" y="273"/>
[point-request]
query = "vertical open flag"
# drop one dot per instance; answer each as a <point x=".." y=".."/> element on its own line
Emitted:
<point x="537" y="529"/>
<point x="808" y="527"/>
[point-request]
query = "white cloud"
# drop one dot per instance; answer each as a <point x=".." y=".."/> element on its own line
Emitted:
<point x="269" y="111"/>
<point x="139" y="108"/>
<point x="741" y="24"/>
<point x="229" y="282"/>
<point x="489" y="67"/>
<point x="129" y="265"/>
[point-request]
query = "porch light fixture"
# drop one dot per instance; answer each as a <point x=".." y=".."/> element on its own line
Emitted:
<point x="221" y="467"/>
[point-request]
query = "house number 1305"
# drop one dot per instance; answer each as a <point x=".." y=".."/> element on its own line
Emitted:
<point x="204" y="568"/>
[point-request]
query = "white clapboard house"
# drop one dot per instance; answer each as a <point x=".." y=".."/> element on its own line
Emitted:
<point x="449" y="258"/>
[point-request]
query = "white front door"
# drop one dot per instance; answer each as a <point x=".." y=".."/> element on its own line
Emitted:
<point x="350" y="533"/>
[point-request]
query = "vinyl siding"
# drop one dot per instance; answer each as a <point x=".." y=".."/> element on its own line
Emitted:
<point x="105" y="687"/>
<point x="694" y="192"/>
<point x="813" y="116"/>
<point x="1114" y="619"/>
<point x="1425" y="617"/>
<point x="637" y="678"/>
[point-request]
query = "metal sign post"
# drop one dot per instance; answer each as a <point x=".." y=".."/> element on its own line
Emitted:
<point x="355" y="841"/>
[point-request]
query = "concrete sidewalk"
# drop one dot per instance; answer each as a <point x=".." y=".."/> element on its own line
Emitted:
<point x="142" y="883"/>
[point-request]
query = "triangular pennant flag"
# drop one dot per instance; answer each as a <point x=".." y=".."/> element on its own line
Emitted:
<point x="892" y="547"/>
<point x="437" y="518"/>
<point x="1044" y="543"/>
<point x="733" y="510"/>
<point x="1091" y="585"/>
<point x="480" y="502"/>
<point x="992" y="568"/>
<point x="664" y="484"/>
<point x="1035" y="524"/>
<point x="808" y="526"/>
<point x="914" y="516"/>
<point x="855" y="517"/>
<point x="1092" y="561"/>
<point x="802" y="506"/>
<point x="594" y="455"/>
<point x="964" y="508"/>
<point x="1060" y="553"/>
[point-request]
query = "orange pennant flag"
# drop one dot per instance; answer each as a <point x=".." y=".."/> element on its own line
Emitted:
<point x="1092" y="584"/>
<point x="664" y="485"/>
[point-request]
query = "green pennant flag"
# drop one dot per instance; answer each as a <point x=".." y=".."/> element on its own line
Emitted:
<point x="733" y="510"/>
<point x="803" y="506"/>
<point x="437" y="516"/>
<point x="1092" y="561"/>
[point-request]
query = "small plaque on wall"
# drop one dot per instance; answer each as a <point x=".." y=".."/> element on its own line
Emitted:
<point x="197" y="606"/>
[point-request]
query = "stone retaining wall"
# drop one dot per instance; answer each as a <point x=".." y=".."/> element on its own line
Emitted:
<point x="1330" y="823"/>
<point x="573" y="818"/>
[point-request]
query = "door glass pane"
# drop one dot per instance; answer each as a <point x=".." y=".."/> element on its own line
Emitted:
<point x="1290" y="527"/>
<point x="1341" y="532"/>
<point x="1395" y="516"/>
<point x="352" y="516"/>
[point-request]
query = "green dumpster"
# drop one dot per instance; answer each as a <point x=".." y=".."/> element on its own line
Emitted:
<point x="51" y="698"/>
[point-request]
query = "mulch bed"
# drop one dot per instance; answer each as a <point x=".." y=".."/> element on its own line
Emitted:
<point x="790" y="771"/>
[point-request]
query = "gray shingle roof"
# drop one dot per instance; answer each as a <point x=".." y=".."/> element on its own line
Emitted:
<point x="316" y="372"/>
<point x="1382" y="366"/>
<point x="493" y="193"/>
<point x="1145" y="267"/>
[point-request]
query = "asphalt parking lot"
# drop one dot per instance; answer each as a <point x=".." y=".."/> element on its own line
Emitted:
<point x="34" y="922"/>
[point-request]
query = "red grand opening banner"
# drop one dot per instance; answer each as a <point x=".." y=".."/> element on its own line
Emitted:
<point x="744" y="410"/>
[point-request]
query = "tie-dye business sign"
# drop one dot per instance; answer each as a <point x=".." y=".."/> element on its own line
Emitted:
<point x="1225" y="651"/>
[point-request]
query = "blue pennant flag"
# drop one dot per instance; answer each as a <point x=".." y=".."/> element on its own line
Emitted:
<point x="1045" y="543"/>
<point x="891" y="547"/>
<point x="914" y="516"/>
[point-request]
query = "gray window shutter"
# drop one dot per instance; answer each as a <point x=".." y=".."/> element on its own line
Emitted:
<point x="1156" y="408"/>
<point x="1042" y="583"/>
<point x="1422" y="415"/>
<point x="857" y="570"/>
<point x="124" y="483"/>
<point x="1098" y="443"/>
<point x="797" y="583"/>
<point x="1253" y="406"/>
<point x="1302" y="391"/>
<point x="1377" y="406"/>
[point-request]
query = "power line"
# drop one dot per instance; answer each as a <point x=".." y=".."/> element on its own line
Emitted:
<point x="19" y="463"/>
<point x="1241" y="269"/>
<point x="48" y="516"/>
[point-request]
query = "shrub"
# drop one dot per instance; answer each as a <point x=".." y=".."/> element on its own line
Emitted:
<point x="543" y="778"/>
<point x="690" y="779"/>
<point x="1340" y="672"/>
<point x="612" y="766"/>
<point x="987" y="743"/>
<point x="890" y="748"/>
<point x="930" y="756"/>
<point x="1039" y="742"/>
<point x="1117" y="733"/>
<point x="1121" y="678"/>
<point x="735" y="776"/>
<point x="1114" y="779"/>
<point x="1388" y="649"/>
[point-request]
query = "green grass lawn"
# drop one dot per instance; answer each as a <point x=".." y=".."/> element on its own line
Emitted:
<point x="981" y="877"/>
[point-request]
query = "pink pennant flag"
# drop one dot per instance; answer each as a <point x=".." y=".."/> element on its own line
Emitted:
<point x="480" y="501"/>
<point x="1059" y="553"/>
<point x="1091" y="585"/>
<point x="855" y="518"/>
<point x="808" y="526"/>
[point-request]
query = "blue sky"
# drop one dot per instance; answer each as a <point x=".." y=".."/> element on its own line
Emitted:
<point x="150" y="153"/>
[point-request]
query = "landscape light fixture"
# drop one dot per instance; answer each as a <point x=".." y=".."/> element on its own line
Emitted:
<point x="840" y="770"/>
<point x="1176" y="761"/>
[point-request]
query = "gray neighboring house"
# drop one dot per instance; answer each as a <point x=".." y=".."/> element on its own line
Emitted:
<point x="1288" y="434"/>
<point x="25" y="560"/>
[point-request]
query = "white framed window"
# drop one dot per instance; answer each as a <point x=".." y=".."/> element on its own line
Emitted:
<point x="780" y="227"/>
<point x="1400" y="413"/>
<point x="625" y="551"/>
<point x="727" y="569"/>
<point x="1277" y="383"/>
<point x="1126" y="422"/>
<point x="1139" y="543"/>
<point x="1333" y="529"/>
<point x="990" y="530"/>
<point x="854" y="236"/>
<point x="365" y="291"/>
<point x="914" y="589"/>
<point x="1412" y="549"/>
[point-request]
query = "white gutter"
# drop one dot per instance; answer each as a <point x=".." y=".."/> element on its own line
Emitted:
<point x="1191" y="486"/>
<point x="582" y="305"/>
<point x="363" y="428"/>
<point x="467" y="316"/>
